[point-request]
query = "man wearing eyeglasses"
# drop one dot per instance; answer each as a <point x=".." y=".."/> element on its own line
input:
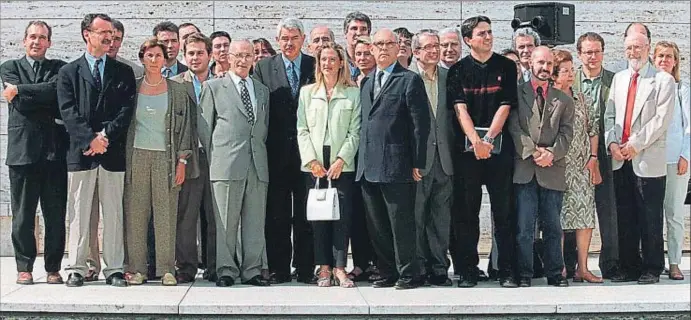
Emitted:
<point x="319" y="36"/>
<point x="434" y="192"/>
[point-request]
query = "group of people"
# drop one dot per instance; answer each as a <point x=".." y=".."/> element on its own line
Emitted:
<point x="223" y="146"/>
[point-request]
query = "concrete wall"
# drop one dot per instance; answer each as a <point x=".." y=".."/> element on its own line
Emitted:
<point x="251" y="19"/>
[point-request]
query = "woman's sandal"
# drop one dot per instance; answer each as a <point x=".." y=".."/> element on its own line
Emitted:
<point x="324" y="278"/>
<point x="675" y="274"/>
<point x="347" y="283"/>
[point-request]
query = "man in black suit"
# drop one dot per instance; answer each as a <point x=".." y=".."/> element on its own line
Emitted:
<point x="35" y="153"/>
<point x="284" y="74"/>
<point x="96" y="101"/>
<point x="393" y="150"/>
<point x="167" y="33"/>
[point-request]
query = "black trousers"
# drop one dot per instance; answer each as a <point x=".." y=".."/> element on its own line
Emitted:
<point x="360" y="244"/>
<point x="640" y="215"/>
<point x="497" y="174"/>
<point x="46" y="182"/>
<point x="286" y="206"/>
<point x="391" y="221"/>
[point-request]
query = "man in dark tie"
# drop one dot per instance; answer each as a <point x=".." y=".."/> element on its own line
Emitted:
<point x="284" y="74"/>
<point x="96" y="100"/>
<point x="36" y="141"/>
<point x="392" y="153"/>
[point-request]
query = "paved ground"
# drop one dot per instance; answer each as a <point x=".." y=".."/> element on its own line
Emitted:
<point x="203" y="298"/>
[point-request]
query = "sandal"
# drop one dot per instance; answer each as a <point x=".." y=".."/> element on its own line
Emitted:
<point x="675" y="273"/>
<point x="345" y="283"/>
<point x="324" y="278"/>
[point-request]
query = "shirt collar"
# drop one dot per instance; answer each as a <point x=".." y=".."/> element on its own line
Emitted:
<point x="584" y="77"/>
<point x="297" y="61"/>
<point x="31" y="60"/>
<point x="92" y="60"/>
<point x="388" y="69"/>
<point x="195" y="78"/>
<point x="432" y="77"/>
<point x="236" y="79"/>
<point x="535" y="86"/>
<point x="173" y="69"/>
<point x="643" y="70"/>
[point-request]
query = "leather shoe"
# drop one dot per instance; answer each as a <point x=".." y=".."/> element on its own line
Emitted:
<point x="440" y="281"/>
<point x="384" y="283"/>
<point x="407" y="283"/>
<point x="623" y="277"/>
<point x="276" y="278"/>
<point x="225" y="281"/>
<point x="467" y="280"/>
<point x="54" y="278"/>
<point x="74" y="280"/>
<point x="205" y="275"/>
<point x="25" y="278"/>
<point x="558" y="281"/>
<point x="308" y="279"/>
<point x="508" y="282"/>
<point x="184" y="278"/>
<point x="648" y="278"/>
<point x="257" y="281"/>
<point x="116" y="280"/>
<point x="481" y="275"/>
<point x="525" y="282"/>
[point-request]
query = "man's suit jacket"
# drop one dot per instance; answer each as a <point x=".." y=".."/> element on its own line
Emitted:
<point x="441" y="136"/>
<point x="652" y="112"/>
<point x="395" y="128"/>
<point x="32" y="133"/>
<point x="282" y="140"/>
<point x="232" y="143"/>
<point x="606" y="81"/>
<point x="137" y="69"/>
<point x="86" y="110"/>
<point x="192" y="170"/>
<point x="554" y="132"/>
<point x="181" y="69"/>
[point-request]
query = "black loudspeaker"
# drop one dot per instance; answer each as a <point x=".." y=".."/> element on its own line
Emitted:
<point x="554" y="21"/>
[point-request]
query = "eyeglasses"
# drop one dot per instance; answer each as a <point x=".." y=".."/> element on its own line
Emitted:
<point x="242" y="56"/>
<point x="635" y="48"/>
<point x="430" y="47"/>
<point x="567" y="71"/>
<point x="384" y="44"/>
<point x="591" y="53"/>
<point x="446" y="45"/>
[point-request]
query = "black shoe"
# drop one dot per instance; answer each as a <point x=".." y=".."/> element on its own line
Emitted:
<point x="225" y="281"/>
<point x="467" y="280"/>
<point x="481" y="275"/>
<point x="623" y="277"/>
<point x="276" y="278"/>
<point x="610" y="273"/>
<point x="440" y="281"/>
<point x="384" y="283"/>
<point x="407" y="283"/>
<point x="508" y="282"/>
<point x="74" y="280"/>
<point x="308" y="279"/>
<point x="294" y="274"/>
<point x="116" y="280"/>
<point x="213" y="277"/>
<point x="257" y="281"/>
<point x="665" y="271"/>
<point x="205" y="275"/>
<point x="493" y="274"/>
<point x="524" y="282"/>
<point x="648" y="278"/>
<point x="558" y="281"/>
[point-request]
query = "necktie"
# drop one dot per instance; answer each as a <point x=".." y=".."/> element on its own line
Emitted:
<point x="245" y="96"/>
<point x="293" y="79"/>
<point x="167" y="73"/>
<point x="36" y="66"/>
<point x="540" y="100"/>
<point x="377" y="83"/>
<point x="630" y="99"/>
<point x="97" y="74"/>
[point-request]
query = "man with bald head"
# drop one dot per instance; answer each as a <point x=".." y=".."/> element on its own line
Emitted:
<point x="392" y="153"/>
<point x="639" y="109"/>
<point x="319" y="36"/>
<point x="542" y="130"/>
<point x="633" y="27"/>
<point x="236" y="118"/>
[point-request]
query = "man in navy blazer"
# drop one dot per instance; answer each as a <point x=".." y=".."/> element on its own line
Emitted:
<point x="96" y="101"/>
<point x="393" y="150"/>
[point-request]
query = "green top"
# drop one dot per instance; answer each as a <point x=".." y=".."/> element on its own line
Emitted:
<point x="591" y="88"/>
<point x="150" y="122"/>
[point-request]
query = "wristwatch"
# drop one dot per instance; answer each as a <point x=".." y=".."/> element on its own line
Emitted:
<point x="183" y="161"/>
<point x="488" y="139"/>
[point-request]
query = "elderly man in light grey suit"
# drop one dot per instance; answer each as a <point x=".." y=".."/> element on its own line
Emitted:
<point x="236" y="113"/>
<point x="639" y="109"/>
<point x="434" y="192"/>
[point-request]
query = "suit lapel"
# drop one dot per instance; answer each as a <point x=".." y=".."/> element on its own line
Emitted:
<point x="441" y="92"/>
<point x="27" y="69"/>
<point x="534" y="119"/>
<point x="306" y="69"/>
<point x="259" y="96"/>
<point x="646" y="84"/>
<point x="280" y="70"/>
<point x="108" y="72"/>
<point x="395" y="73"/>
<point x="235" y="94"/>
<point x="189" y="85"/>
<point x="85" y="73"/>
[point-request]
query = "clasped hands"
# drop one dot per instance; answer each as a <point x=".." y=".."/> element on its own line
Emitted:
<point x="621" y="152"/>
<point x="334" y="172"/>
<point x="482" y="149"/>
<point x="99" y="145"/>
<point x="10" y="92"/>
<point x="543" y="157"/>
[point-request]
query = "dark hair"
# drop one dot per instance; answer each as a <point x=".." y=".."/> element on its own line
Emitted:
<point x="471" y="23"/>
<point x="217" y="34"/>
<point x="117" y="25"/>
<point x="187" y="24"/>
<point x="403" y="32"/>
<point x="165" y="26"/>
<point x="590" y="36"/>
<point x="357" y="16"/>
<point x="506" y="52"/>
<point x="195" y="38"/>
<point x="265" y="43"/>
<point x="89" y="20"/>
<point x="151" y="43"/>
<point x="38" y="23"/>
<point x="626" y="32"/>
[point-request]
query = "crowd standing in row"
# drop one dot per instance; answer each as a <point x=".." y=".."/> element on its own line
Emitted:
<point x="234" y="135"/>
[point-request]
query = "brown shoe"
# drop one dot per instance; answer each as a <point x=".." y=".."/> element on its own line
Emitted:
<point x="25" y="278"/>
<point x="54" y="278"/>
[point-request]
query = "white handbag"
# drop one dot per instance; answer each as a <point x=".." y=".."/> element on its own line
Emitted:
<point x="322" y="204"/>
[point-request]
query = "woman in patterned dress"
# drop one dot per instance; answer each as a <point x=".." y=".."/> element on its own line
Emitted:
<point x="582" y="170"/>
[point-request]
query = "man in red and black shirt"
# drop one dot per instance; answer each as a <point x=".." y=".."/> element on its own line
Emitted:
<point x="482" y="91"/>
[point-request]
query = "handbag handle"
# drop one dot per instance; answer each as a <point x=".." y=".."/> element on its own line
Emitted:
<point x="316" y="183"/>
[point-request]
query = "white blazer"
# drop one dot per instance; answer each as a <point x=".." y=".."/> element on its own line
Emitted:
<point x="652" y="113"/>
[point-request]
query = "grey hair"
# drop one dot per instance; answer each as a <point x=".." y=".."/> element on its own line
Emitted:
<point x="525" y="32"/>
<point x="424" y="32"/>
<point x="290" y="23"/>
<point x="451" y="30"/>
<point x="331" y="33"/>
<point x="394" y="34"/>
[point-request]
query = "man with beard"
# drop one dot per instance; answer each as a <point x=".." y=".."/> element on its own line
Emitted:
<point x="542" y="130"/>
<point x="450" y="43"/>
<point x="639" y="109"/>
<point x="167" y="34"/>
<point x="524" y="41"/>
<point x="96" y="100"/>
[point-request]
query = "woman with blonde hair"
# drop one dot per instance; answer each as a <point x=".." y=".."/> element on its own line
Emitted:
<point x="328" y="136"/>
<point x="666" y="58"/>
<point x="582" y="169"/>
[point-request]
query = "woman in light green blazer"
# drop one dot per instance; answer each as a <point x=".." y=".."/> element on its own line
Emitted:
<point x="328" y="136"/>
